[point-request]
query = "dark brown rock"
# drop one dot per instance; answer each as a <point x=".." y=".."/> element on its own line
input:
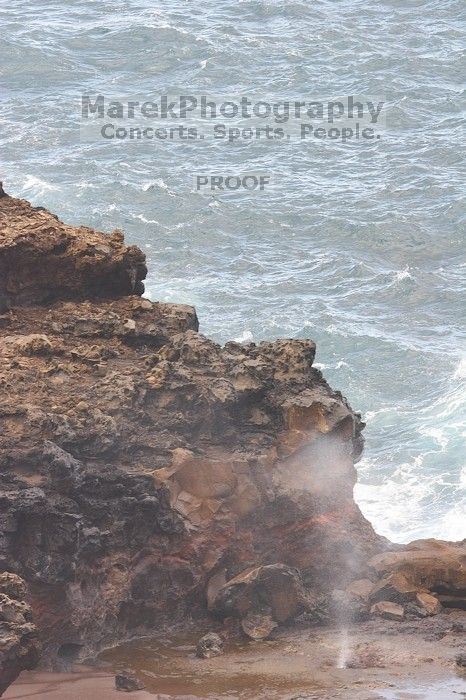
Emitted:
<point x="42" y="259"/>
<point x="276" y="587"/>
<point x="209" y="645"/>
<point x="127" y="681"/>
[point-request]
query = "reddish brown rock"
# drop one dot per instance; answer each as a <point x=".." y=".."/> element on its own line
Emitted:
<point x="395" y="587"/>
<point x="143" y="465"/>
<point x="42" y="259"/>
<point x="429" y="603"/>
<point x="429" y="565"/>
<point x="361" y="589"/>
<point x="388" y="610"/>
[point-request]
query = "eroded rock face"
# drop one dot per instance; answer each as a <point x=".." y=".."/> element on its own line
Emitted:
<point x="42" y="259"/>
<point x="19" y="643"/>
<point x="431" y="565"/>
<point x="144" y="466"/>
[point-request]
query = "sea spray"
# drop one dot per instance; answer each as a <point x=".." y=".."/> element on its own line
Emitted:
<point x="344" y="648"/>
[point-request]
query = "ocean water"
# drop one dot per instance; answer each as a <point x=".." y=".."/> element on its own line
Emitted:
<point x="358" y="245"/>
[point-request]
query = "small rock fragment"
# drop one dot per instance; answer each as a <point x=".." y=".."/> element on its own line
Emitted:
<point x="429" y="603"/>
<point x="388" y="610"/>
<point x="461" y="660"/>
<point x="209" y="645"/>
<point x="127" y="681"/>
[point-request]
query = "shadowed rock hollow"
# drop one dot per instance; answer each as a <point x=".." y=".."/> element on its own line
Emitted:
<point x="147" y="472"/>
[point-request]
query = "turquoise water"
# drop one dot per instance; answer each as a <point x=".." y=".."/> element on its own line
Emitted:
<point x="359" y="246"/>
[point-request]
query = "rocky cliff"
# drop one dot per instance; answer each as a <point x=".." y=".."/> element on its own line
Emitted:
<point x="146" y="471"/>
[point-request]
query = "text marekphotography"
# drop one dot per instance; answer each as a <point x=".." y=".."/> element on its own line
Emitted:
<point x="191" y="118"/>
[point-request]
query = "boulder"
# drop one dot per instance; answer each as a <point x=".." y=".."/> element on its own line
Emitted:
<point x="361" y="588"/>
<point x="388" y="610"/>
<point x="395" y="587"/>
<point x="209" y="645"/>
<point x="275" y="586"/>
<point x="431" y="564"/>
<point x="352" y="603"/>
<point x="127" y="681"/>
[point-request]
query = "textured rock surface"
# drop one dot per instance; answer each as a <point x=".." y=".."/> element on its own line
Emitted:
<point x="19" y="643"/>
<point x="428" y="564"/>
<point x="275" y="588"/>
<point x="42" y="259"/>
<point x="388" y="610"/>
<point x="139" y="459"/>
<point x="143" y="466"/>
<point x="127" y="681"/>
<point x="209" y="645"/>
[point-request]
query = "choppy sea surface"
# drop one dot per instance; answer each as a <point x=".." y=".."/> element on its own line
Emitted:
<point x="360" y="246"/>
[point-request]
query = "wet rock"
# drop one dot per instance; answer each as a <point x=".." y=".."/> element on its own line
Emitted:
<point x="366" y="655"/>
<point x="127" y="681"/>
<point x="388" y="610"/>
<point x="258" y="626"/>
<point x="276" y="586"/>
<point x="209" y="645"/>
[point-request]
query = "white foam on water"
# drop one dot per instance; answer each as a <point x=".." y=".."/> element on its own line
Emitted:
<point x="245" y="337"/>
<point x="37" y="187"/>
<point x="460" y="371"/>
<point x="403" y="274"/>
